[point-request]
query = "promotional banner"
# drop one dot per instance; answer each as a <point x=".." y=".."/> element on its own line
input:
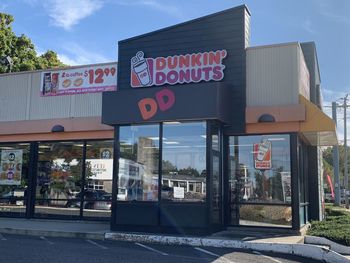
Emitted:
<point x="329" y="180"/>
<point x="178" y="69"/>
<point x="72" y="81"/>
<point x="11" y="167"/>
<point x="262" y="155"/>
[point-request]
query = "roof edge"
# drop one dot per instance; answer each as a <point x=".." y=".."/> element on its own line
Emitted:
<point x="274" y="45"/>
<point x="314" y="46"/>
<point x="186" y="22"/>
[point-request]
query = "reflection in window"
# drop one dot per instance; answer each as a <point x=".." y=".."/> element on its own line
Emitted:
<point x="260" y="166"/>
<point x="59" y="177"/>
<point x="184" y="161"/>
<point x="265" y="215"/>
<point x="14" y="160"/>
<point x="98" y="178"/>
<point x="99" y="165"/>
<point x="260" y="174"/>
<point x="138" y="163"/>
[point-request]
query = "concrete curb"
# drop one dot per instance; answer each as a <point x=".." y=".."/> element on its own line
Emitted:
<point x="308" y="251"/>
<point x="326" y="242"/>
<point x="52" y="233"/>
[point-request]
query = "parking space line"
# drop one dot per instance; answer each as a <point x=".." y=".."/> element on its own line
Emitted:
<point x="152" y="249"/>
<point x="45" y="239"/>
<point x="96" y="244"/>
<point x="270" y="258"/>
<point x="213" y="254"/>
<point x="2" y="238"/>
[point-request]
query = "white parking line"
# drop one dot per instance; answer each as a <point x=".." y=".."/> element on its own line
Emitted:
<point x="152" y="249"/>
<point x="45" y="239"/>
<point x="96" y="244"/>
<point x="213" y="254"/>
<point x="2" y="238"/>
<point x="270" y="258"/>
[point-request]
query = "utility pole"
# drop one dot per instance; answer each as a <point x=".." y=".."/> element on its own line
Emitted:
<point x="336" y="161"/>
<point x="346" y="177"/>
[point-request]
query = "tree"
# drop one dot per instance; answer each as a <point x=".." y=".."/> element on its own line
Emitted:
<point x="328" y="161"/>
<point x="22" y="51"/>
<point x="189" y="171"/>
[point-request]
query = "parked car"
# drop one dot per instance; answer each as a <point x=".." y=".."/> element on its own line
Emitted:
<point x="93" y="199"/>
<point x="104" y="204"/>
<point x="167" y="193"/>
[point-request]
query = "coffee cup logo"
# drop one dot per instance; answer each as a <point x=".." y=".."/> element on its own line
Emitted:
<point x="263" y="149"/>
<point x="140" y="67"/>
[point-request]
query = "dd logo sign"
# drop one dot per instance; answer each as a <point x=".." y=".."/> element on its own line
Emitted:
<point x="164" y="100"/>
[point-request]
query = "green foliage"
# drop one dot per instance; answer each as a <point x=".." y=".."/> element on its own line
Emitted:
<point x="22" y="50"/>
<point x="335" y="227"/>
<point x="189" y="171"/>
<point x="328" y="161"/>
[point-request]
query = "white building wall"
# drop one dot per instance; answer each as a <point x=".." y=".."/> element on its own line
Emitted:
<point x="20" y="100"/>
<point x="276" y="75"/>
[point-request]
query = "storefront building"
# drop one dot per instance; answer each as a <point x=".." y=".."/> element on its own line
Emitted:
<point x="192" y="132"/>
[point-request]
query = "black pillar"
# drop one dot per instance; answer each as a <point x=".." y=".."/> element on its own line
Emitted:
<point x="313" y="179"/>
<point x="31" y="189"/>
<point x="294" y="153"/>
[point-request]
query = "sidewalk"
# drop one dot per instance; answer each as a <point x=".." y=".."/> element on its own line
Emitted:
<point x="54" y="228"/>
<point x="278" y="243"/>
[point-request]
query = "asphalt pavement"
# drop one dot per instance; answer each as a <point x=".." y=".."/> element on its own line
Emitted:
<point x="37" y="249"/>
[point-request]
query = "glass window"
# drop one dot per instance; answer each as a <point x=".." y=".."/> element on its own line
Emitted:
<point x="59" y="178"/>
<point x="260" y="174"/>
<point x="262" y="168"/>
<point x="184" y="162"/>
<point x="138" y="163"/>
<point x="265" y="215"/>
<point x="14" y="160"/>
<point x="98" y="178"/>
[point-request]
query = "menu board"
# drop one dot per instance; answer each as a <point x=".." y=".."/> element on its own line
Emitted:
<point x="11" y="167"/>
<point x="79" y="80"/>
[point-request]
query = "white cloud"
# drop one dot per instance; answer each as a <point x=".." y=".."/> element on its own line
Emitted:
<point x="335" y="17"/>
<point x="331" y="11"/>
<point x="307" y="25"/>
<point x="74" y="55"/>
<point x="332" y="95"/>
<point x="67" y="13"/>
<point x="156" y="5"/>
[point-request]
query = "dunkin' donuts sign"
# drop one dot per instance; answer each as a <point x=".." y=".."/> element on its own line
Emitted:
<point x="178" y="69"/>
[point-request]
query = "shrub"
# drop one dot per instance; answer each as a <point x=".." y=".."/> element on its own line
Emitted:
<point x="335" y="228"/>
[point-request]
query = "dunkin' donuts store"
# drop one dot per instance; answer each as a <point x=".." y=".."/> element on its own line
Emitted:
<point x="192" y="131"/>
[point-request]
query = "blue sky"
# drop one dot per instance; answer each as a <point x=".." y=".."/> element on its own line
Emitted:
<point x="88" y="31"/>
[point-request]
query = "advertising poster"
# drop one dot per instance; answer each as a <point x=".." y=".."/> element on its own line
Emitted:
<point x="11" y="167"/>
<point x="262" y="155"/>
<point x="101" y="169"/>
<point x="89" y="79"/>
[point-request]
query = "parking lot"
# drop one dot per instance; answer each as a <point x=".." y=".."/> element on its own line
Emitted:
<point x="17" y="248"/>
